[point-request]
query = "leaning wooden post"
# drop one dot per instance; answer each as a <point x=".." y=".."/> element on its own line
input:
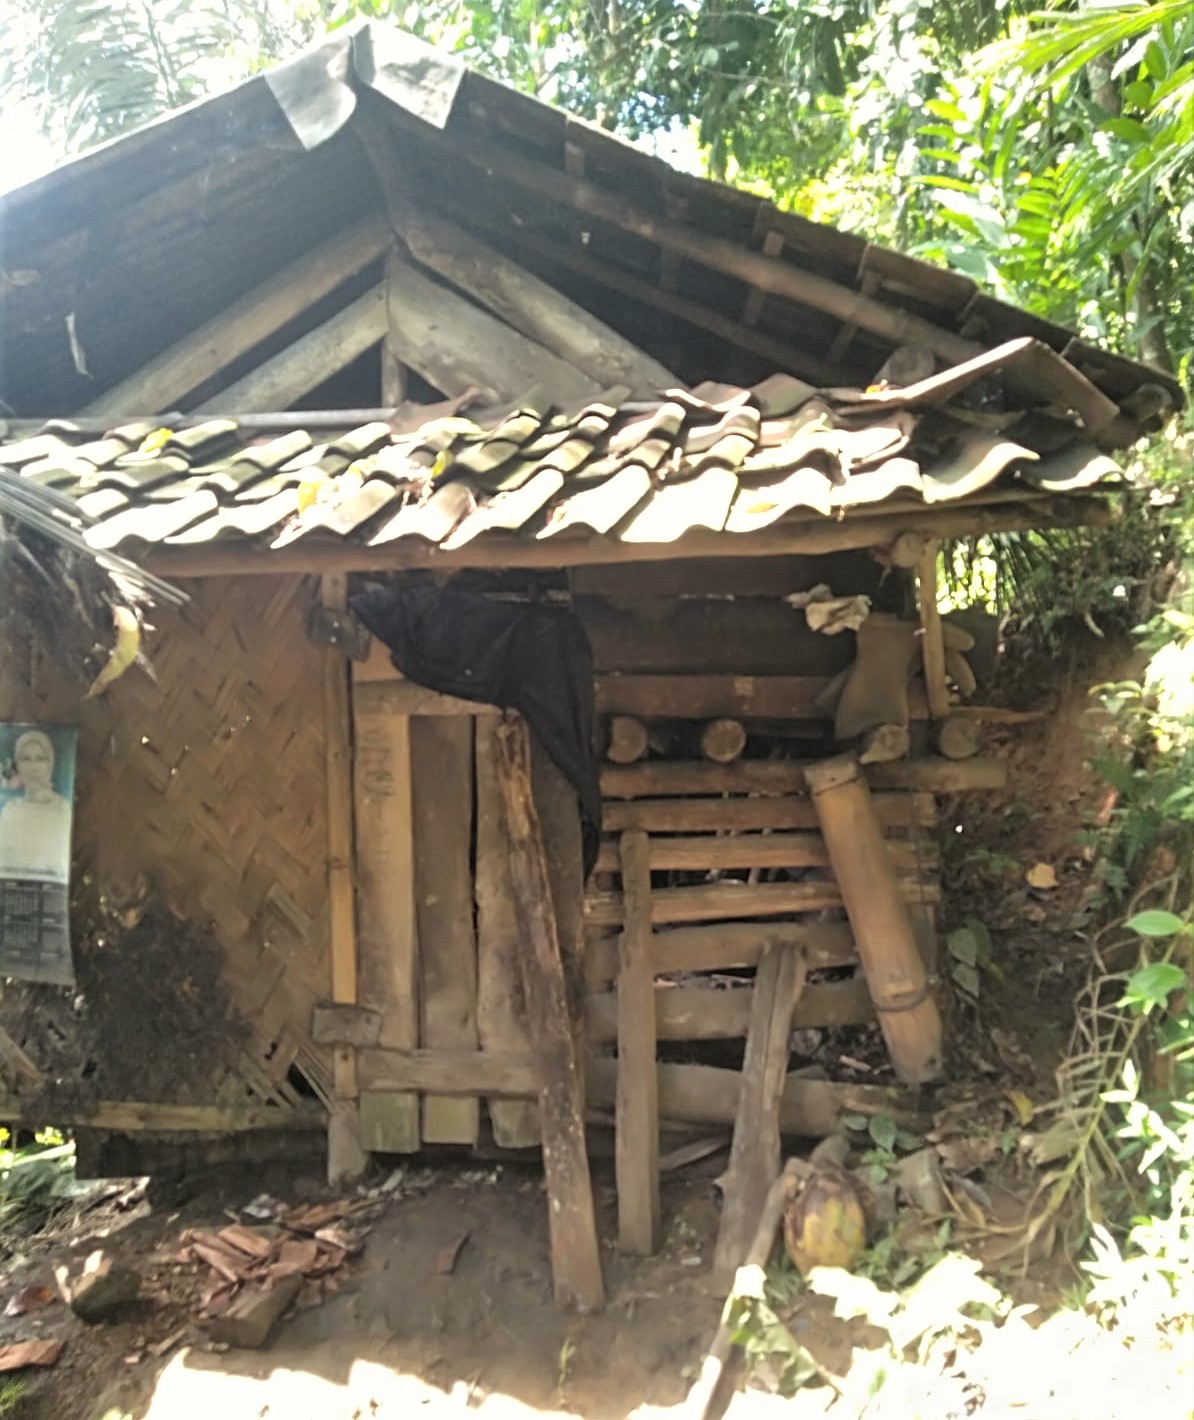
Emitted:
<point x="346" y="1157"/>
<point x="637" y="1103"/>
<point x="575" y="1252"/>
<point x="883" y="931"/>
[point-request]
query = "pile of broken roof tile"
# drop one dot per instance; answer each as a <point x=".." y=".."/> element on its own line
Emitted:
<point x="717" y="457"/>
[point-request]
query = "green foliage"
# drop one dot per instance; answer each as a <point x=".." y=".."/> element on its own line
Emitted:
<point x="35" y="1176"/>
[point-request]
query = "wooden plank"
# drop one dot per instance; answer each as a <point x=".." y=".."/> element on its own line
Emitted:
<point x="705" y="697"/>
<point x="637" y="1115"/>
<point x="502" y="1024"/>
<point x="135" y="1116"/>
<point x="750" y="578"/>
<point x="932" y="642"/>
<point x="508" y="1075"/>
<point x="896" y="811"/>
<point x="754" y="1153"/>
<point x="575" y="1252"/>
<point x="442" y="805"/>
<point x="164" y="382"/>
<point x="715" y="1013"/>
<point x="456" y="346"/>
<point x="931" y="775"/>
<point x="347" y="1159"/>
<point x="690" y="853"/>
<point x="530" y="306"/>
<point x="877" y="909"/>
<point x="17" y="1062"/>
<point x="407" y="697"/>
<point x="387" y="943"/>
<point x="281" y="381"/>
<point x="724" y="947"/>
<point x="706" y="902"/>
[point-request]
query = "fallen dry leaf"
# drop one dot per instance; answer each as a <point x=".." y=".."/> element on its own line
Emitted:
<point x="28" y="1299"/>
<point x="445" y="1259"/>
<point x="1022" y="1105"/>
<point x="29" y="1353"/>
<point x="1041" y="875"/>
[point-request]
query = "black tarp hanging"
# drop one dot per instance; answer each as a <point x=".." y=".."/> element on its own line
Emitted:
<point x="532" y="659"/>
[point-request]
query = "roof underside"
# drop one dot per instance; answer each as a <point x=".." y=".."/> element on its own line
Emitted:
<point x="116" y="256"/>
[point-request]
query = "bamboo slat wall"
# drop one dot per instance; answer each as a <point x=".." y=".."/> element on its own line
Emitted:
<point x="206" y="790"/>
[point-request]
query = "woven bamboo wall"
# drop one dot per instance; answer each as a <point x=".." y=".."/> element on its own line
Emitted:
<point x="207" y="788"/>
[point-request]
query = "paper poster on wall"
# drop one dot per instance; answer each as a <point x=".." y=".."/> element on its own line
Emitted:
<point x="37" y="786"/>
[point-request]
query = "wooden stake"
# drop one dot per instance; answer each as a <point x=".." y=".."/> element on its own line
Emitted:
<point x="934" y="644"/>
<point x="628" y="740"/>
<point x="708" y="1385"/>
<point x="346" y="1157"/>
<point x="755" y="1153"/>
<point x="637" y="1126"/>
<point x="575" y="1252"/>
<point x="883" y="931"/>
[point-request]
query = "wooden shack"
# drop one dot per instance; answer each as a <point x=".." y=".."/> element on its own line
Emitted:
<point x="373" y="320"/>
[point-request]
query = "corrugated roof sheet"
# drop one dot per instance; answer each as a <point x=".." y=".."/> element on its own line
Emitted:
<point x="717" y="457"/>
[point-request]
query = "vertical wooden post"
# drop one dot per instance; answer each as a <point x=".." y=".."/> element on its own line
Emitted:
<point x="346" y="1157"/>
<point x="393" y="371"/>
<point x="755" y="1151"/>
<point x="575" y="1252"/>
<point x="933" y="648"/>
<point x="883" y="931"/>
<point x="637" y="1107"/>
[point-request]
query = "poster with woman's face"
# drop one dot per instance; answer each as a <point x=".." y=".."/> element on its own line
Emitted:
<point x="37" y="785"/>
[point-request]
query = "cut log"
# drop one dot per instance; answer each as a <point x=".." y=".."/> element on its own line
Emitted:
<point x="502" y="1024"/>
<point x="723" y="740"/>
<point x="883" y="930"/>
<point x="628" y="740"/>
<point x="531" y="306"/>
<point x="283" y="380"/>
<point x="958" y="736"/>
<point x="754" y="1154"/>
<point x="442" y="810"/>
<point x="932" y="645"/>
<point x="165" y="381"/>
<point x="637" y="1124"/>
<point x="457" y="347"/>
<point x="576" y="1256"/>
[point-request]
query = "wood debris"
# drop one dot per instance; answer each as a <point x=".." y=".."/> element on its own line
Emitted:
<point x="257" y="1272"/>
<point x="29" y="1299"/>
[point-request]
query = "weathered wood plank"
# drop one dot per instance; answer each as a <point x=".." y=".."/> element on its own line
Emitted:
<point x="690" y="853"/>
<point x="705" y="902"/>
<point x="136" y="1116"/>
<point x="705" y="697"/>
<point x="931" y="775"/>
<point x="163" y="383"/>
<point x="387" y="943"/>
<point x="282" y="380"/>
<point x="407" y="697"/>
<point x="637" y="1123"/>
<point x="896" y="811"/>
<point x="576" y="1254"/>
<point x="712" y="1013"/>
<point x="531" y="306"/>
<point x="724" y="947"/>
<point x="456" y="346"/>
<point x="333" y="1024"/>
<point x="502" y="1024"/>
<point x="507" y="1075"/>
<point x="754" y="1152"/>
<point x="442" y="806"/>
<point x="346" y="1156"/>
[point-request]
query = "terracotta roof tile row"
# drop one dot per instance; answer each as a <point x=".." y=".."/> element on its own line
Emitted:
<point x="718" y="457"/>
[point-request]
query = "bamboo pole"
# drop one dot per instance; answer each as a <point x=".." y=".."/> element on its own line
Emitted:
<point x="883" y="931"/>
